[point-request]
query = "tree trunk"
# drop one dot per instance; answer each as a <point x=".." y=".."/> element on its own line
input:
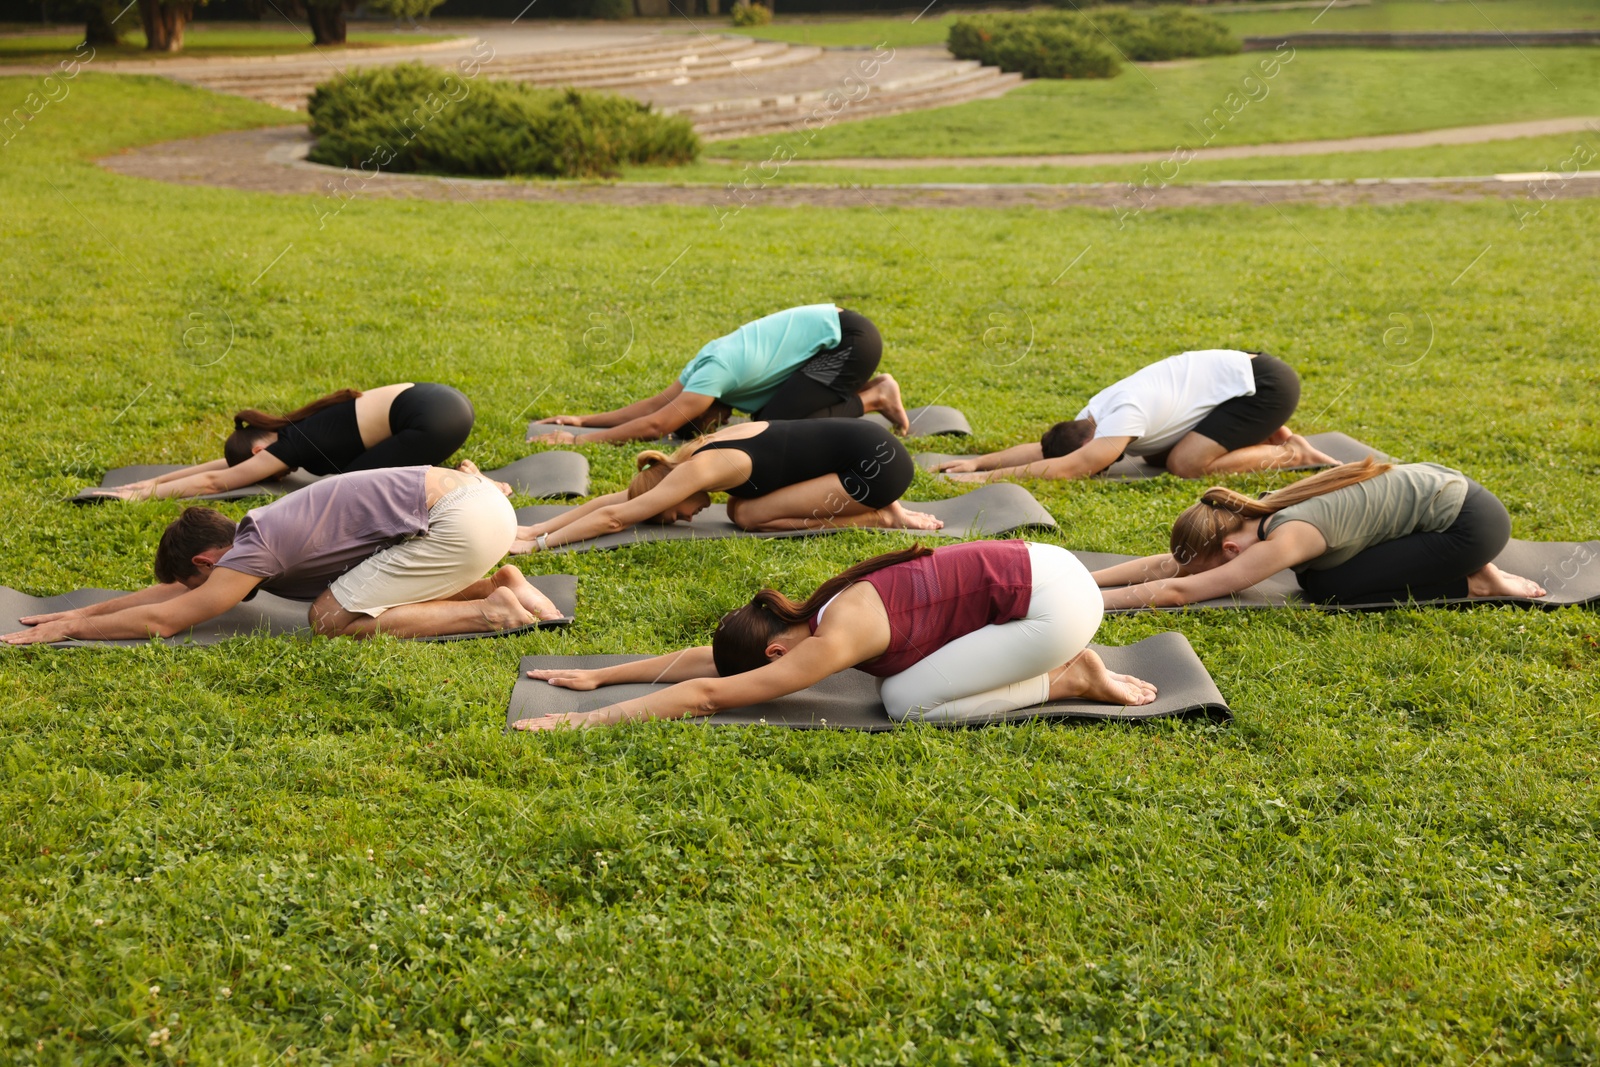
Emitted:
<point x="155" y="27"/>
<point x="327" y="23"/>
<point x="98" y="27"/>
<point x="174" y="19"/>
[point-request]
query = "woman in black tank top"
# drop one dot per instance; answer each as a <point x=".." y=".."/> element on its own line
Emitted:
<point x="406" y="425"/>
<point x="804" y="475"/>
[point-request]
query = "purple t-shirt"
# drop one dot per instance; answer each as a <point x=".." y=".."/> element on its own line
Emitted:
<point x="301" y="544"/>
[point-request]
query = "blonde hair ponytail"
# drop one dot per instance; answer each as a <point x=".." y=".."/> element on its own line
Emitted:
<point x="1198" y="533"/>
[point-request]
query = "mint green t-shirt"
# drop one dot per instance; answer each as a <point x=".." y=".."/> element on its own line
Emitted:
<point x="745" y="368"/>
<point x="1410" y="498"/>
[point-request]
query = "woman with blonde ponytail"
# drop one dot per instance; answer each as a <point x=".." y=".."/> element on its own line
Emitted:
<point x="801" y="475"/>
<point x="957" y="633"/>
<point x="1358" y="533"/>
<point x="410" y="424"/>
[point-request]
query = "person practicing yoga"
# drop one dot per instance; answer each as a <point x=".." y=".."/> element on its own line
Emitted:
<point x="956" y="633"/>
<point x="813" y="474"/>
<point x="409" y="424"/>
<point x="401" y="550"/>
<point x="808" y="362"/>
<point x="1360" y="533"/>
<point x="1197" y="413"/>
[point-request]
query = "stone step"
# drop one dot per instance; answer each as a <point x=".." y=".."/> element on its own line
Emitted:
<point x="975" y="86"/>
<point x="737" y="105"/>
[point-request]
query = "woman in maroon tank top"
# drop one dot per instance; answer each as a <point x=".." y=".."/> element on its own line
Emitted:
<point x="957" y="633"/>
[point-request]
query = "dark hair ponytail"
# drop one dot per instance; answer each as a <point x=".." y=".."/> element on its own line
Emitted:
<point x="251" y="425"/>
<point x="740" y="643"/>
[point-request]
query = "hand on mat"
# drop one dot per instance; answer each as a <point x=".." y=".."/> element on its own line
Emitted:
<point x="568" y="678"/>
<point x="550" y="722"/>
<point x="554" y="437"/>
<point x="132" y="491"/>
<point x="956" y="466"/>
<point x="563" y="420"/>
<point x="42" y="634"/>
<point x="975" y="477"/>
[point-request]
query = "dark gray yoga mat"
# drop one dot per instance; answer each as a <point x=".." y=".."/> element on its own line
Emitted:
<point x="543" y="474"/>
<point x="1569" y="571"/>
<point x="263" y="613"/>
<point x="849" y="700"/>
<point x="931" y="421"/>
<point x="986" y="512"/>
<point x="1344" y="448"/>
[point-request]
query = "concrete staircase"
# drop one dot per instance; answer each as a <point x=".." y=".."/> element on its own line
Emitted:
<point x="728" y="86"/>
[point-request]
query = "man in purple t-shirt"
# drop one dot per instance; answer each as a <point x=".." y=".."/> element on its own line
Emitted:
<point x="402" y="550"/>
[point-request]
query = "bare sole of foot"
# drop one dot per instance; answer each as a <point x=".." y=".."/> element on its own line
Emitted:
<point x="882" y="394"/>
<point x="1298" y="452"/>
<point x="503" y="611"/>
<point x="903" y="518"/>
<point x="1088" y="678"/>
<point x="466" y="466"/>
<point x="1492" y="581"/>
<point x="535" y="602"/>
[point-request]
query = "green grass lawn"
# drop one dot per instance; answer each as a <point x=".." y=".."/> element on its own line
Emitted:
<point x="1384" y="15"/>
<point x="1319" y="94"/>
<point x="1560" y="153"/>
<point x="328" y="852"/>
<point x="200" y="40"/>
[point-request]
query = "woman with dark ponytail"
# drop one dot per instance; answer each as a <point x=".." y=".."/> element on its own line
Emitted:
<point x="405" y="425"/>
<point x="956" y="633"/>
<point x="805" y="474"/>
<point x="1358" y="533"/>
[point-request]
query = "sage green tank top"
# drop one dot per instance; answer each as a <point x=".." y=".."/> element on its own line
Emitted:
<point x="1410" y="498"/>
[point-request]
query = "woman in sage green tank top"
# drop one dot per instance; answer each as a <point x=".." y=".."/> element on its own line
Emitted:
<point x="1359" y="533"/>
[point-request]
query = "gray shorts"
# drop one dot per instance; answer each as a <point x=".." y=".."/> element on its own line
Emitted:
<point x="469" y="530"/>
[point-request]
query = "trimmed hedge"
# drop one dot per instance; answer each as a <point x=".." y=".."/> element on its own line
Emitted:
<point x="1075" y="44"/>
<point x="413" y="117"/>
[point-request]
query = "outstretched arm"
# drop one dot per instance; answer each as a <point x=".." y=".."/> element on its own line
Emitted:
<point x="669" y="410"/>
<point x="208" y="478"/>
<point x="1291" y="543"/>
<point x="154" y="594"/>
<point x="1086" y="462"/>
<point x="1134" y="571"/>
<point x="224" y="589"/>
<point x="619" y="512"/>
<point x="804" y="666"/>
<point x="1014" y="456"/>
<point x="673" y="667"/>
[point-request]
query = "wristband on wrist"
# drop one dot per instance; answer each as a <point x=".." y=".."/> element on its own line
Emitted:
<point x="543" y="541"/>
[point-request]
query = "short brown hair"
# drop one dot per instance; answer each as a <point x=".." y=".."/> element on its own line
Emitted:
<point x="1065" y="438"/>
<point x="185" y="537"/>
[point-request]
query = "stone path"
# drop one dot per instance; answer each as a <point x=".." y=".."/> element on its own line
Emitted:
<point x="272" y="160"/>
<point x="1505" y="131"/>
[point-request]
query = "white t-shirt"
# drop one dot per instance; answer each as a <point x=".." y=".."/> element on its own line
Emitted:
<point x="1156" y="406"/>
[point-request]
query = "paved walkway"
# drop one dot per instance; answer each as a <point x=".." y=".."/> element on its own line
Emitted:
<point x="273" y="161"/>
<point x="1504" y="131"/>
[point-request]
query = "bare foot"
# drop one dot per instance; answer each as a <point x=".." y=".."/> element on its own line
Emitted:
<point x="899" y="517"/>
<point x="882" y="394"/>
<point x="502" y="611"/>
<point x="1088" y="678"/>
<point x="1492" y="581"/>
<point x="466" y="466"/>
<point x="533" y="601"/>
<point x="1296" y="451"/>
<point x="1279" y="436"/>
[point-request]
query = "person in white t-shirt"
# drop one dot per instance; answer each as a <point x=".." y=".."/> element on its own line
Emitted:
<point x="1199" y="413"/>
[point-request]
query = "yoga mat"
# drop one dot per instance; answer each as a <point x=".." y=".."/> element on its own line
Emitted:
<point x="1569" y="571"/>
<point x="1344" y="448"/>
<point x="930" y="421"/>
<point x="986" y="512"/>
<point x="263" y="612"/>
<point x="849" y="700"/>
<point x="543" y="474"/>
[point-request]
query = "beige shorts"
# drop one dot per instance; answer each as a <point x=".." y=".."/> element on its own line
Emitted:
<point x="469" y="530"/>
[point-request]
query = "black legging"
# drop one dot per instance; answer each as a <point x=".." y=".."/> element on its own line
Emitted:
<point x="427" y="423"/>
<point x="825" y="386"/>
<point x="1419" y="566"/>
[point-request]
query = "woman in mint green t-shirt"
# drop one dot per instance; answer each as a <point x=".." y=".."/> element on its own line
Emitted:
<point x="1359" y="533"/>
<point x="812" y="362"/>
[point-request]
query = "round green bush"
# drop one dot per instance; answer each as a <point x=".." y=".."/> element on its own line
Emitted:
<point x="1078" y="44"/>
<point x="746" y="13"/>
<point x="415" y="118"/>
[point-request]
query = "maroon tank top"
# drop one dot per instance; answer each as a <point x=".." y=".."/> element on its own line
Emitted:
<point x="933" y="600"/>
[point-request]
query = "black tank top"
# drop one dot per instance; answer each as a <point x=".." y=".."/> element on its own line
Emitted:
<point x="788" y="453"/>
<point x="325" y="442"/>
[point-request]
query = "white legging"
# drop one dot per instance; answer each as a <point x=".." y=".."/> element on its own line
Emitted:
<point x="1002" y="668"/>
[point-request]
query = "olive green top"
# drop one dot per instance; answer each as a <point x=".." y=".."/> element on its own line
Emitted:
<point x="1411" y="498"/>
